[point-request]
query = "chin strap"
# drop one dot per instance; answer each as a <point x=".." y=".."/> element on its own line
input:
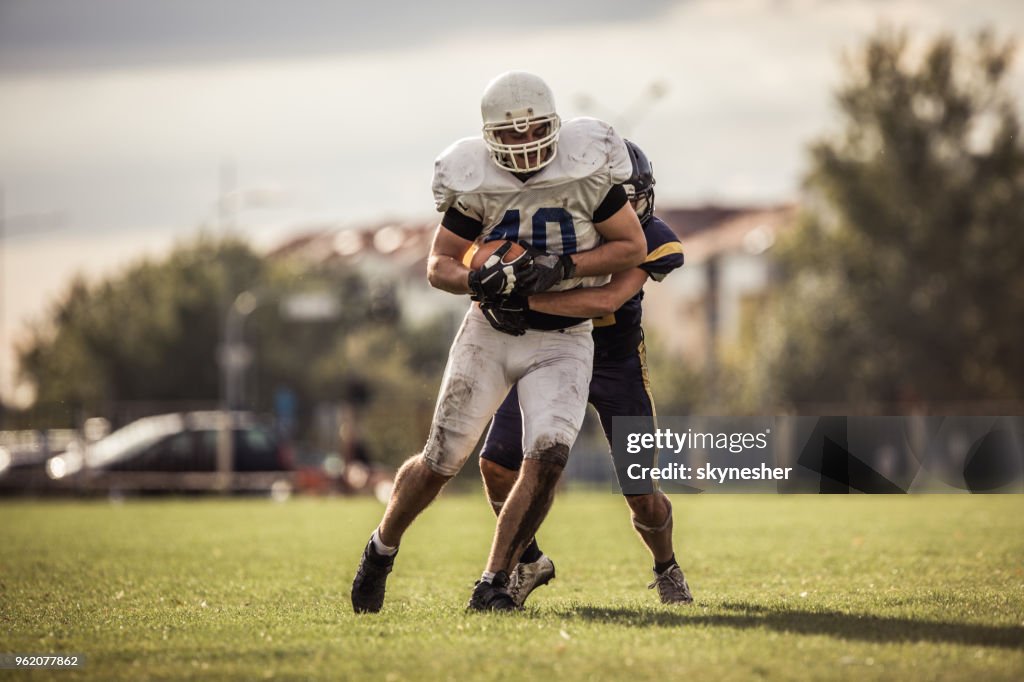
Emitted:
<point x="651" y="529"/>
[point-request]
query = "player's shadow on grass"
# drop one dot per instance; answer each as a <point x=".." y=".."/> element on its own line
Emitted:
<point x="853" y="626"/>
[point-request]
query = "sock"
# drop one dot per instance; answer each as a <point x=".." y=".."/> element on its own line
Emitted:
<point x="531" y="553"/>
<point x="379" y="547"/>
<point x="487" y="577"/>
<point x="662" y="566"/>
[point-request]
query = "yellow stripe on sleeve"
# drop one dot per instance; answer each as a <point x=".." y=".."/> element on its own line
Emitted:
<point x="664" y="250"/>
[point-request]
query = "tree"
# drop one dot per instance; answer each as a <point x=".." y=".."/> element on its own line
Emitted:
<point x="147" y="340"/>
<point x="152" y="333"/>
<point x="120" y="338"/>
<point x="905" y="279"/>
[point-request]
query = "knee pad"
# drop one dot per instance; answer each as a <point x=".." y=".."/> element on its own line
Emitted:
<point x="655" y="529"/>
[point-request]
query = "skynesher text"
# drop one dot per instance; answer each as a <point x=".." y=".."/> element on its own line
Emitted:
<point x="681" y="472"/>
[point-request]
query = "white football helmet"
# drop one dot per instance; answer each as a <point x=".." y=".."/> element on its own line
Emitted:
<point x="515" y="101"/>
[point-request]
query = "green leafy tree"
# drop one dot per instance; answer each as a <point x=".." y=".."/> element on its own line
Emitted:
<point x="905" y="280"/>
<point x="146" y="334"/>
<point x="147" y="340"/>
<point x="152" y="333"/>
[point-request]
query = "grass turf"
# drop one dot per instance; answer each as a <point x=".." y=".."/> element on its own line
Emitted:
<point x="802" y="587"/>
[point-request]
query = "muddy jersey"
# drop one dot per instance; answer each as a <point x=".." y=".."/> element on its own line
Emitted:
<point x="554" y="209"/>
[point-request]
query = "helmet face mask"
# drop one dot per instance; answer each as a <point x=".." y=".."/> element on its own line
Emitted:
<point x="523" y="157"/>
<point x="520" y="123"/>
<point x="640" y="186"/>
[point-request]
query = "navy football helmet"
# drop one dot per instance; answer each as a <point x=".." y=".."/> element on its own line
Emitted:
<point x="640" y="186"/>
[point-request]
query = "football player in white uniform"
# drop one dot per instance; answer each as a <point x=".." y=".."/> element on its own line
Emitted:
<point x="558" y="190"/>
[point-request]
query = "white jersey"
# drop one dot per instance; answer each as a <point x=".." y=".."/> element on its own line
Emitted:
<point x="554" y="208"/>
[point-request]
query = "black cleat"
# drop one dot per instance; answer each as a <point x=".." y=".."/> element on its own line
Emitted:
<point x="368" y="586"/>
<point x="492" y="596"/>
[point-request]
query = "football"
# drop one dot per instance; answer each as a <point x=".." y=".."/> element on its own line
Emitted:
<point x="479" y="253"/>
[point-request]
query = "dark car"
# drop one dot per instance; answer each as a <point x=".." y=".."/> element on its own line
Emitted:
<point x="23" y="457"/>
<point x="178" y="452"/>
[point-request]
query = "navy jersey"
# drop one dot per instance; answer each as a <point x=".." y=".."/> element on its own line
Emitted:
<point x="618" y="334"/>
<point x="619" y="385"/>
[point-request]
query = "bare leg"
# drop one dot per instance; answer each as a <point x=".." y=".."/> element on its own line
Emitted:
<point x="527" y="505"/>
<point x="528" y="572"/>
<point x="498" y="482"/>
<point x="652" y="518"/>
<point x="416" y="486"/>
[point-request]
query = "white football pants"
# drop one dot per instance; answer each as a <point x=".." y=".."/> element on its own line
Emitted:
<point x="552" y="368"/>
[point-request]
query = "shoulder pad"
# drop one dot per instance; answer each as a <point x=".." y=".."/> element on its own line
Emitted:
<point x="460" y="168"/>
<point x="589" y="145"/>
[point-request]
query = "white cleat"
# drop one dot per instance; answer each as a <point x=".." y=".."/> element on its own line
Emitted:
<point x="526" y="578"/>
<point x="672" y="587"/>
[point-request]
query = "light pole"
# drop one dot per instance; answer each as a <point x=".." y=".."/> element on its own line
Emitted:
<point x="236" y="356"/>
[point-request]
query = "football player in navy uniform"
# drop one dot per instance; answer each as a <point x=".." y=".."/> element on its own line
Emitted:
<point x="557" y="189"/>
<point x="619" y="387"/>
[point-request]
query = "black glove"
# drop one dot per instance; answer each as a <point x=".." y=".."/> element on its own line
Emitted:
<point x="495" y="278"/>
<point x="507" y="314"/>
<point x="546" y="270"/>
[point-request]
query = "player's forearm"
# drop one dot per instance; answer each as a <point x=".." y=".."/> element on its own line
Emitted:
<point x="448" y="274"/>
<point x="624" y="245"/>
<point x="610" y="257"/>
<point x="591" y="302"/>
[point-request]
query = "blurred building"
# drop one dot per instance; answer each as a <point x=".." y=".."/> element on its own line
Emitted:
<point x="726" y="276"/>
<point x="388" y="255"/>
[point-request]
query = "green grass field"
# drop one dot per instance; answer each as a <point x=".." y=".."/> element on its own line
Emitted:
<point x="803" y="587"/>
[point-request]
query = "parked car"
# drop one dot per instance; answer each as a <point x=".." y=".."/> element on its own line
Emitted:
<point x="23" y="457"/>
<point x="176" y="452"/>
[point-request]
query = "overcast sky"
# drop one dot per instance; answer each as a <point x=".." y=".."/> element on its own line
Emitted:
<point x="117" y="115"/>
